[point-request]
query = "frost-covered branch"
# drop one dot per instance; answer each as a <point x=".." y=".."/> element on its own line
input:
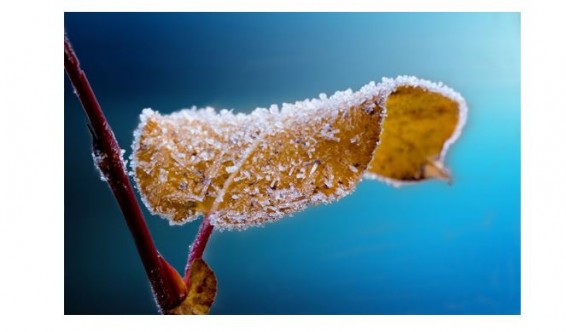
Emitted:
<point x="166" y="283"/>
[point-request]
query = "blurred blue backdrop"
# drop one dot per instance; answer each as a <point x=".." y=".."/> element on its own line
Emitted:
<point x="430" y="248"/>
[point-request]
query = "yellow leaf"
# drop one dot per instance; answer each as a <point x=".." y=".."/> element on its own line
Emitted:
<point x="247" y="169"/>
<point x="201" y="291"/>
<point x="422" y="120"/>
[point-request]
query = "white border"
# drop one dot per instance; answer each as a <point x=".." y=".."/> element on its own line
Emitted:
<point x="31" y="235"/>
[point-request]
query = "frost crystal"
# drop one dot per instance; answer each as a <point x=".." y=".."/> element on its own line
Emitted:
<point x="98" y="159"/>
<point x="231" y="169"/>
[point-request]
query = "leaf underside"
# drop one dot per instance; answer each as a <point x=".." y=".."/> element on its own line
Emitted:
<point x="418" y="125"/>
<point x="247" y="169"/>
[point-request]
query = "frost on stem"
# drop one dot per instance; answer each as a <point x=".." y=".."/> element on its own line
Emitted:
<point x="101" y="159"/>
<point x="247" y="169"/>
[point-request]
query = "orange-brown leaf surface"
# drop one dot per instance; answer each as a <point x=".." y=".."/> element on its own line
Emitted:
<point x="422" y="120"/>
<point x="201" y="291"/>
<point x="247" y="169"/>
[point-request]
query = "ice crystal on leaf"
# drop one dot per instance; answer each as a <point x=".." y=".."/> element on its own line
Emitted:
<point x="247" y="169"/>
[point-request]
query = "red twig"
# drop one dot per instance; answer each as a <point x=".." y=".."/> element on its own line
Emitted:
<point x="199" y="244"/>
<point x="165" y="281"/>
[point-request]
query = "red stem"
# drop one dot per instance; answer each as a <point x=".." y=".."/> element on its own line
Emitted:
<point x="164" y="279"/>
<point x="199" y="244"/>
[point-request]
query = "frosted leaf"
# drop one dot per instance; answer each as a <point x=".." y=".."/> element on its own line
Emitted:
<point x="263" y="171"/>
<point x="248" y="169"/>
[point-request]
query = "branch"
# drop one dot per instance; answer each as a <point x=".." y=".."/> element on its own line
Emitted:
<point x="167" y="285"/>
<point x="198" y="246"/>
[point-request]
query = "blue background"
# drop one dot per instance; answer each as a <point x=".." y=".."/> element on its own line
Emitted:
<point x="430" y="248"/>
